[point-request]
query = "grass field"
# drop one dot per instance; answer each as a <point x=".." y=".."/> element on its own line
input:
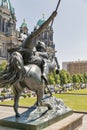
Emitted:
<point x="75" y="102"/>
<point x="22" y="102"/>
<point x="80" y="91"/>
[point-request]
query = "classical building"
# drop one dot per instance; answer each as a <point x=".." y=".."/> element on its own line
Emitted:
<point x="47" y="35"/>
<point x="23" y="31"/>
<point x="11" y="37"/>
<point x="75" y="67"/>
<point x="23" y="27"/>
<point x="8" y="33"/>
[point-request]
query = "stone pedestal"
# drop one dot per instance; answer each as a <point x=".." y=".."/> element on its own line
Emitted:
<point x="72" y="122"/>
<point x="60" y="117"/>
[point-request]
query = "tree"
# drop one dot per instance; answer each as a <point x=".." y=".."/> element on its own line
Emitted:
<point x="81" y="78"/>
<point x="76" y="81"/>
<point x="56" y="78"/>
<point x="69" y="77"/>
<point x="3" y="65"/>
<point x="75" y="78"/>
<point x="85" y="77"/>
<point x="51" y="78"/>
<point x="63" y="77"/>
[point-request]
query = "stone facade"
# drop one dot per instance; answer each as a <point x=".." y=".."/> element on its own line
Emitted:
<point x="8" y="32"/>
<point x="10" y="37"/>
<point x="47" y="35"/>
<point x="75" y="67"/>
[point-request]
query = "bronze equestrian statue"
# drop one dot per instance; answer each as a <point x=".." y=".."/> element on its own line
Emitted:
<point x="25" y="70"/>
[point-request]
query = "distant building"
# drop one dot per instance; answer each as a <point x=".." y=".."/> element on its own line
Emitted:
<point x="75" y="67"/>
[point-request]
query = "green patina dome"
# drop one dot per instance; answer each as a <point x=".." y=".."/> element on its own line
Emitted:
<point x="40" y="21"/>
<point x="7" y="4"/>
<point x="24" y="24"/>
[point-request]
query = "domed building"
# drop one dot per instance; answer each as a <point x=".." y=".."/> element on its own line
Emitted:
<point x="8" y="32"/>
<point x="40" y="22"/>
<point x="10" y="37"/>
<point x="47" y="35"/>
<point x="23" y="31"/>
<point x="23" y="27"/>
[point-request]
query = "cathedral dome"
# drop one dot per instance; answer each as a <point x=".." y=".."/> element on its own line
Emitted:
<point x="24" y="24"/>
<point x="23" y="27"/>
<point x="7" y="4"/>
<point x="40" y="22"/>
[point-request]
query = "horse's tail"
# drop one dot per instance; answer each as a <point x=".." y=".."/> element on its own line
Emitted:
<point x="14" y="71"/>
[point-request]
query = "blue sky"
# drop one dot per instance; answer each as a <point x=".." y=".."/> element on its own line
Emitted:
<point x="70" y="24"/>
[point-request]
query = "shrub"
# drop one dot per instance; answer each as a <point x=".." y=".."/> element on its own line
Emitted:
<point x="3" y="94"/>
<point x="24" y="95"/>
<point x="29" y="94"/>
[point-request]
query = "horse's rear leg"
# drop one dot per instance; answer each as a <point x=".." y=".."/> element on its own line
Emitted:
<point x="17" y="92"/>
<point x="16" y="100"/>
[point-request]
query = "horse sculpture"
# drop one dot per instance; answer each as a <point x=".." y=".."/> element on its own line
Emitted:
<point x="21" y="76"/>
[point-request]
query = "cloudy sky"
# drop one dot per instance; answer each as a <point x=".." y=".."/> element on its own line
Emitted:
<point x="70" y="24"/>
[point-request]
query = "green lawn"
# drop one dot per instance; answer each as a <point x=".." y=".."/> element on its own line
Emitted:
<point x="22" y="102"/>
<point x="80" y="91"/>
<point x="75" y="102"/>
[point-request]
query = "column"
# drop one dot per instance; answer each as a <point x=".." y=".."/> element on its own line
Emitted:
<point x="5" y="25"/>
<point x="1" y="24"/>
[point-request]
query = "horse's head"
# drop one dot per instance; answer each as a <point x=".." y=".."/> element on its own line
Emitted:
<point x="53" y="65"/>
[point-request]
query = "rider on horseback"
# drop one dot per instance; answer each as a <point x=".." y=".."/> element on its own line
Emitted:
<point x="41" y="51"/>
<point x="29" y="44"/>
<point x="37" y="56"/>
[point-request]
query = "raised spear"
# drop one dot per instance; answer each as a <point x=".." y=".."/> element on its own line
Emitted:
<point x="29" y="41"/>
<point x="56" y="10"/>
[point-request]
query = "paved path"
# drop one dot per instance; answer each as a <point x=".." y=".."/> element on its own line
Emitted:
<point x="5" y="111"/>
<point x="84" y="125"/>
<point x="10" y="111"/>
